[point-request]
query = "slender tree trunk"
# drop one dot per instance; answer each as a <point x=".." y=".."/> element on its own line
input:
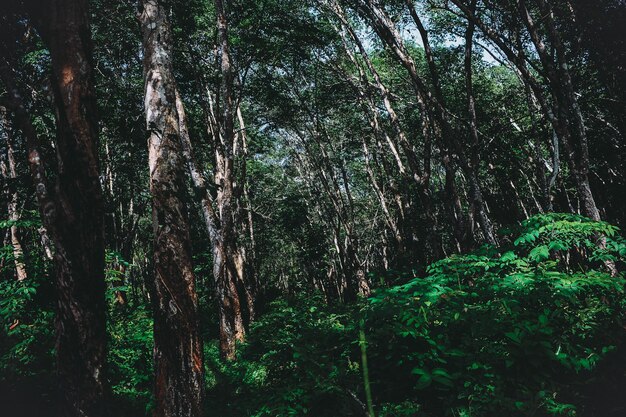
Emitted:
<point x="433" y="100"/>
<point x="178" y="357"/>
<point x="581" y="159"/>
<point x="36" y="164"/>
<point x="473" y="163"/>
<point x="354" y="281"/>
<point x="371" y="161"/>
<point x="321" y="178"/>
<point x="9" y="173"/>
<point x="248" y="279"/>
<point x="462" y="230"/>
<point x="116" y="228"/>
<point x="564" y="114"/>
<point x="366" y="376"/>
<point x="226" y="253"/>
<point x="389" y="219"/>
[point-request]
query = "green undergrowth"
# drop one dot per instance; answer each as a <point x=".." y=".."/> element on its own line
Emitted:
<point x="533" y="328"/>
<point x="519" y="329"/>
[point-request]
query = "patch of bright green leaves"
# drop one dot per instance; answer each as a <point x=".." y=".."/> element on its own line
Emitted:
<point x="514" y="330"/>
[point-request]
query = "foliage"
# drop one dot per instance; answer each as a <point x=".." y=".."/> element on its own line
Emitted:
<point x="26" y="317"/>
<point x="26" y="335"/>
<point x="516" y="329"/>
<point x="130" y="342"/>
<point x="519" y="330"/>
<point x="334" y="185"/>
<point x="130" y="358"/>
<point x="299" y="360"/>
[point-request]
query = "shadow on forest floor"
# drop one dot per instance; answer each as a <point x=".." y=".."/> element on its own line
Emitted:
<point x="31" y="398"/>
<point x="606" y="397"/>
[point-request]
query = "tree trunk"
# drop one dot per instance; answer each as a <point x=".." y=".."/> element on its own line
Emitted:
<point x="178" y="357"/>
<point x="73" y="215"/>
<point x="9" y="174"/>
<point x="248" y="277"/>
<point x="478" y="203"/>
<point x="227" y="258"/>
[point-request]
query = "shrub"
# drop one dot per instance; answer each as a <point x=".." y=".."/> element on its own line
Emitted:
<point x="514" y="330"/>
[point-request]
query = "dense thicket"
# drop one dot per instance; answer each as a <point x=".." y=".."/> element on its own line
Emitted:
<point x="312" y="207"/>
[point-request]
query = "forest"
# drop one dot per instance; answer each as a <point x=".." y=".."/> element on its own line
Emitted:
<point x="312" y="208"/>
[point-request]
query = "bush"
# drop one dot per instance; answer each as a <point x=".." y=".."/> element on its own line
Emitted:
<point x="27" y="332"/>
<point x="512" y="331"/>
<point x="26" y="310"/>
<point x="299" y="360"/>
<point x="130" y="359"/>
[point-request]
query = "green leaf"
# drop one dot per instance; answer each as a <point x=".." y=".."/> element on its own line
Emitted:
<point x="540" y="253"/>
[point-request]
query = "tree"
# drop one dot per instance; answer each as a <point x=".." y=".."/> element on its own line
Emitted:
<point x="178" y="356"/>
<point x="72" y="210"/>
<point x="563" y="110"/>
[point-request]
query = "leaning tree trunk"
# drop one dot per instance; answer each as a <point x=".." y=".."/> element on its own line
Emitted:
<point x="431" y="100"/>
<point x="579" y="166"/>
<point x="178" y="360"/>
<point x="564" y="113"/>
<point x="421" y="177"/>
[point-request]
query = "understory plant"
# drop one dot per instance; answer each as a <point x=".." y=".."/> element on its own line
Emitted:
<point x="517" y="330"/>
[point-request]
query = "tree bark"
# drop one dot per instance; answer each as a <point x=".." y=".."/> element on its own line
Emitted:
<point x="9" y="173"/>
<point x="227" y="267"/>
<point x="178" y="357"/>
<point x="479" y="205"/>
<point x="73" y="213"/>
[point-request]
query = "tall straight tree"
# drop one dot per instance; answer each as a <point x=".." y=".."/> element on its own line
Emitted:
<point x="228" y="268"/>
<point x="72" y="209"/>
<point x="178" y="360"/>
